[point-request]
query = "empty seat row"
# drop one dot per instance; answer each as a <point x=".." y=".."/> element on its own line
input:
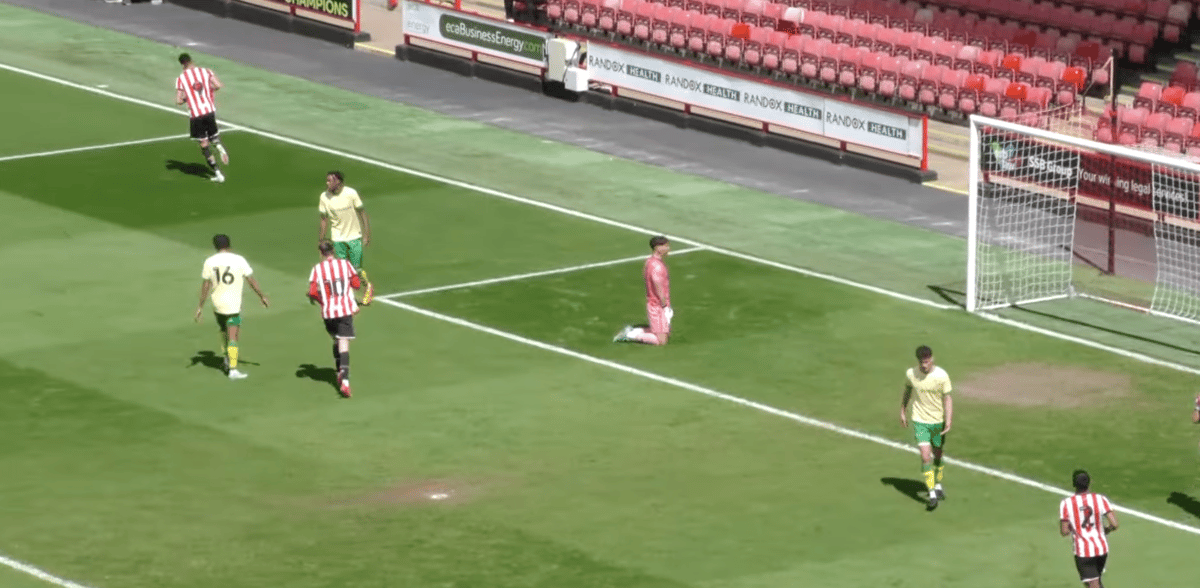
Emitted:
<point x="1166" y="17"/>
<point x="1140" y="126"/>
<point x="1071" y="50"/>
<point x="1173" y="100"/>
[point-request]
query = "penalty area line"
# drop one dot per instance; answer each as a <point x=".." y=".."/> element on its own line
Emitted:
<point x="92" y="147"/>
<point x="792" y="416"/>
<point x="516" y="277"/>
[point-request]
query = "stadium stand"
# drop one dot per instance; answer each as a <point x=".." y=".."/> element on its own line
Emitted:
<point x="942" y="58"/>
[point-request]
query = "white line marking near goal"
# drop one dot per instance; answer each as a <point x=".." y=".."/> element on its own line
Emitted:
<point x="92" y="147"/>
<point x="799" y="418"/>
<point x="515" y="277"/>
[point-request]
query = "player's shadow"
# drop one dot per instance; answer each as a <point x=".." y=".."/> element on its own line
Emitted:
<point x="317" y="374"/>
<point x="213" y="361"/>
<point x="1187" y="503"/>
<point x="189" y="168"/>
<point x="914" y="489"/>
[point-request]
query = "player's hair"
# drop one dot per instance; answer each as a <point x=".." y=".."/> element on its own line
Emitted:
<point x="658" y="240"/>
<point x="337" y="174"/>
<point x="325" y="247"/>
<point x="1081" y="480"/>
<point x="924" y="352"/>
<point x="184" y="59"/>
<point x="221" y="241"/>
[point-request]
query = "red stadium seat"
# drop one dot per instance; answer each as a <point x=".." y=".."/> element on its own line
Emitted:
<point x="1147" y="95"/>
<point x="910" y="76"/>
<point x="1170" y="99"/>
<point x="773" y="50"/>
<point x="969" y="94"/>
<point x="1190" y="107"/>
<point x="889" y="75"/>
<point x="1184" y="75"/>
<point x="1154" y="128"/>
<point x="869" y="71"/>
<point x="1176" y="134"/>
<point x="793" y="50"/>
<point x="952" y="82"/>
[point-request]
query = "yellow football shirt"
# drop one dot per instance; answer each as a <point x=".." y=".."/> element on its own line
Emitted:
<point x="226" y="272"/>
<point x="342" y="211"/>
<point x="928" y="393"/>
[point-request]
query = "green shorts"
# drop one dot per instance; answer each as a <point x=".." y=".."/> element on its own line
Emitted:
<point x="929" y="433"/>
<point x="228" y="320"/>
<point x="351" y="251"/>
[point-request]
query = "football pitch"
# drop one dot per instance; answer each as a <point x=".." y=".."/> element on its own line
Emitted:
<point x="497" y="437"/>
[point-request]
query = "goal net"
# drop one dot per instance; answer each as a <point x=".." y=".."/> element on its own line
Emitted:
<point x="1054" y="216"/>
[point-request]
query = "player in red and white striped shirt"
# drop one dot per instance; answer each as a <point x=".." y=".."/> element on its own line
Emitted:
<point x="331" y="284"/>
<point x="197" y="87"/>
<point x="1079" y="516"/>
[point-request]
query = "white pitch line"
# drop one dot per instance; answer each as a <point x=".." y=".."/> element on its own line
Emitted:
<point x="799" y="418"/>
<point x="92" y="147"/>
<point x="515" y="277"/>
<point x="39" y="573"/>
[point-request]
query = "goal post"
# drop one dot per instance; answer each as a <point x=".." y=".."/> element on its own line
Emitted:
<point x="1055" y="216"/>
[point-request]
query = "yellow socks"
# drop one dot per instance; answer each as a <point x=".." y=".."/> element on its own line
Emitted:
<point x="927" y="472"/>
<point x="232" y="354"/>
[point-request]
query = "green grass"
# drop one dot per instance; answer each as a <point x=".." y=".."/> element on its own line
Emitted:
<point x="132" y="462"/>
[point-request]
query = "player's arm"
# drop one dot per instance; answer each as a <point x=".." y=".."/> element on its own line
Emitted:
<point x="314" y="292"/>
<point x="216" y="82"/>
<point x="205" y="289"/>
<point x="257" y="290"/>
<point x="1111" y="518"/>
<point x="324" y="227"/>
<point x="180" y="97"/>
<point x="656" y="282"/>
<point x="366" y="225"/>
<point x="1064" y="527"/>
<point x="904" y="402"/>
<point x="948" y="406"/>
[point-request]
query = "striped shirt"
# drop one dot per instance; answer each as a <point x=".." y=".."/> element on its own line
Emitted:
<point x="656" y="271"/>
<point x="196" y="83"/>
<point x="1084" y="515"/>
<point x="332" y="283"/>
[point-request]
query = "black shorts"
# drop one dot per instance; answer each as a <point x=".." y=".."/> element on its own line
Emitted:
<point x="204" y="126"/>
<point x="341" y="327"/>
<point x="1090" y="568"/>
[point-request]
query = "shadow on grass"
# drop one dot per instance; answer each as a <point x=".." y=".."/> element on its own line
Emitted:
<point x="191" y="169"/>
<point x="958" y="298"/>
<point x="914" y="489"/>
<point x="318" y="374"/>
<point x="213" y="361"/>
<point x="1187" y="503"/>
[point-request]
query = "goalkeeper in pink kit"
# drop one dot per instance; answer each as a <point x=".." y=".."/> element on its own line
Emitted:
<point x="658" y="298"/>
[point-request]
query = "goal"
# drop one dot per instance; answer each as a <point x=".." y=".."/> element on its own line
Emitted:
<point x="1053" y="216"/>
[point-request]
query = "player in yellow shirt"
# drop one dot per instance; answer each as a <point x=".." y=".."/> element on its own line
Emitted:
<point x="223" y="275"/>
<point x="928" y="386"/>
<point x="347" y="225"/>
